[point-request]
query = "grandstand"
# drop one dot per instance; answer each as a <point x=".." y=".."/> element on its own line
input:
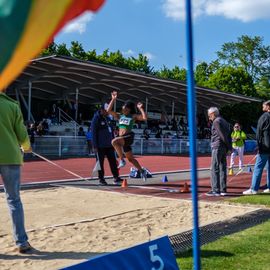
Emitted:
<point x="66" y="91"/>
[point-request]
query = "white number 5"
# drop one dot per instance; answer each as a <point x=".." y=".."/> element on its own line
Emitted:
<point x="155" y="258"/>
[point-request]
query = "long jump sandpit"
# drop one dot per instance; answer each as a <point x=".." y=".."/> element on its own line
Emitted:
<point x="68" y="225"/>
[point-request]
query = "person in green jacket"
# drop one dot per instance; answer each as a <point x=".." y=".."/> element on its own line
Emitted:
<point x="13" y="139"/>
<point x="238" y="144"/>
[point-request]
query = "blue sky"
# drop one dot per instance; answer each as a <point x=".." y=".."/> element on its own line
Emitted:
<point x="156" y="28"/>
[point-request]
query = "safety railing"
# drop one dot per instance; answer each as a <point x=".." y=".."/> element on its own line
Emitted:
<point x="64" y="117"/>
<point x="66" y="146"/>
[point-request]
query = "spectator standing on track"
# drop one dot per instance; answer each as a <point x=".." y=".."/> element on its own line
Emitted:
<point x="263" y="155"/>
<point x="102" y="136"/>
<point x="13" y="133"/>
<point x="220" y="145"/>
<point x="238" y="144"/>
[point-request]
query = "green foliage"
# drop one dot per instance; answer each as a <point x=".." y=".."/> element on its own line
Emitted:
<point x="77" y="51"/>
<point x="203" y="71"/>
<point x="50" y="50"/>
<point x="176" y="73"/>
<point x="63" y="50"/>
<point x="232" y="80"/>
<point x="248" y="53"/>
<point x="244" y="113"/>
<point x="263" y="87"/>
<point x="141" y="63"/>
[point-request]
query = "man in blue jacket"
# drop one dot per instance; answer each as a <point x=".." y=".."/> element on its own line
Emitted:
<point x="102" y="135"/>
<point x="263" y="155"/>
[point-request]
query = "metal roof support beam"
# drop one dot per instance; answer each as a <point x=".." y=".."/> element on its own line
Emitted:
<point x="173" y="104"/>
<point x="25" y="105"/>
<point x="17" y="96"/>
<point x="77" y="104"/>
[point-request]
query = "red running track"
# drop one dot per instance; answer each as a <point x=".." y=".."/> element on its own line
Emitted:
<point x="38" y="171"/>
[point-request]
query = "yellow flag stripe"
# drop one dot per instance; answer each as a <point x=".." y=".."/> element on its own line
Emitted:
<point x="42" y="22"/>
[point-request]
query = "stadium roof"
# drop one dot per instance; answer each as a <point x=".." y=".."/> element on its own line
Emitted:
<point x="56" y="77"/>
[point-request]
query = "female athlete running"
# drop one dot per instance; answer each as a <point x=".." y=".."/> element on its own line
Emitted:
<point x="122" y="143"/>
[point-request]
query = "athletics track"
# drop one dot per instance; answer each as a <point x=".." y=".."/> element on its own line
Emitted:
<point x="42" y="172"/>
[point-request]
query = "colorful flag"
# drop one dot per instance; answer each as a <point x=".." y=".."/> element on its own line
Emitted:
<point x="28" y="26"/>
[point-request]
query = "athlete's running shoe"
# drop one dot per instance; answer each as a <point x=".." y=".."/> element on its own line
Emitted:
<point x="250" y="192"/>
<point x="144" y="174"/>
<point x="122" y="163"/>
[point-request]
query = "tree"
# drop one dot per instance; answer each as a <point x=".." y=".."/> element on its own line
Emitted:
<point x="117" y="59"/>
<point x="77" y="51"/>
<point x="245" y="113"/>
<point x="50" y="50"/>
<point x="62" y="50"/>
<point x="175" y="74"/>
<point x="141" y="63"/>
<point x="263" y="86"/>
<point x="233" y="80"/>
<point x="91" y="55"/>
<point x="248" y="53"/>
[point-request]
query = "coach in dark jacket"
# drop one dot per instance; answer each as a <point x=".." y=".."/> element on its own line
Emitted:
<point x="102" y="135"/>
<point x="263" y="155"/>
<point x="220" y="145"/>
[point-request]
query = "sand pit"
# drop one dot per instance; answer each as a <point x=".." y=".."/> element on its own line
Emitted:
<point x="99" y="221"/>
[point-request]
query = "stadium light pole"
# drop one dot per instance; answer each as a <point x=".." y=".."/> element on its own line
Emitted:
<point x="191" y="96"/>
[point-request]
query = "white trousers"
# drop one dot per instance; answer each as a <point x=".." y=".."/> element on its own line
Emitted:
<point x="240" y="152"/>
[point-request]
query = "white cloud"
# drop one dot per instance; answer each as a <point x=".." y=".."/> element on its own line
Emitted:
<point x="79" y="24"/>
<point x="129" y="53"/>
<point x="243" y="10"/>
<point x="149" y="56"/>
<point x="176" y="9"/>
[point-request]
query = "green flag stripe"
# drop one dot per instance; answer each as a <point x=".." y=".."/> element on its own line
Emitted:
<point x="13" y="17"/>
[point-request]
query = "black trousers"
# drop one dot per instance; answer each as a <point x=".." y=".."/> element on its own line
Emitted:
<point x="110" y="154"/>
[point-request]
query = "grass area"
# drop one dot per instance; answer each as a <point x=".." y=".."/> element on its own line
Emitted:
<point x="262" y="199"/>
<point x="245" y="250"/>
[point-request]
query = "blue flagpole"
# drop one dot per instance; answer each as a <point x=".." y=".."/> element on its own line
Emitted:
<point x="192" y="138"/>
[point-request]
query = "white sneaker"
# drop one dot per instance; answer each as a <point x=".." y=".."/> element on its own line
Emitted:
<point x="250" y="192"/>
<point x="144" y="174"/>
<point x="266" y="190"/>
<point x="122" y="163"/>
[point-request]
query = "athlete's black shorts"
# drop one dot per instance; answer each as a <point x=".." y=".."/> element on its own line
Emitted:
<point x="129" y="139"/>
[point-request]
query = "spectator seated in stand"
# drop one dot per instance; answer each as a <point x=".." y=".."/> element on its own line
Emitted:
<point x="81" y="132"/>
<point x="146" y="134"/>
<point x="40" y="130"/>
<point x="158" y="134"/>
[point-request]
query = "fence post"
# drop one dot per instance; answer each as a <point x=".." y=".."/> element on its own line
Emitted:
<point x="60" y="147"/>
<point x="162" y="146"/>
<point x="59" y="116"/>
<point x="141" y="146"/>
